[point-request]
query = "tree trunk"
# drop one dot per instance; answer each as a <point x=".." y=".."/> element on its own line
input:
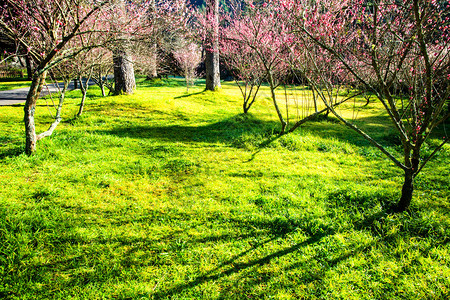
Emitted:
<point x="102" y="87"/>
<point x="83" y="99"/>
<point x="212" y="51"/>
<point x="245" y="108"/>
<point x="153" y="61"/>
<point x="212" y="70"/>
<point x="58" y="118"/>
<point x="29" y="110"/>
<point x="315" y="100"/>
<point x="83" y="88"/>
<point x="272" y="90"/>
<point x="407" y="192"/>
<point x="100" y="82"/>
<point x="29" y="64"/>
<point x="123" y="73"/>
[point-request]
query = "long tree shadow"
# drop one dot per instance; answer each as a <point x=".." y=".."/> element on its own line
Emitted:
<point x="139" y="251"/>
<point x="238" y="267"/>
<point x="233" y="128"/>
<point x="233" y="266"/>
<point x="189" y="95"/>
<point x="66" y="237"/>
<point x="227" y="131"/>
<point x="378" y="127"/>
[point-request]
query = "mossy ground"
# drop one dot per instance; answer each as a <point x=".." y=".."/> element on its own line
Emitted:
<point x="165" y="194"/>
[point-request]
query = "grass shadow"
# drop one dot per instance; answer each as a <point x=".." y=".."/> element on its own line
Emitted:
<point x="14" y="152"/>
<point x="226" y="131"/>
<point x="377" y="127"/>
<point x="189" y="95"/>
<point x="263" y="145"/>
<point x="14" y="79"/>
<point x="138" y="251"/>
<point x="310" y="274"/>
<point x="231" y="265"/>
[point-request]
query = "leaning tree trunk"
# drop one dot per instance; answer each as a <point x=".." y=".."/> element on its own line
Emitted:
<point x="29" y="109"/>
<point x="280" y="115"/>
<point x="83" y="88"/>
<point x="408" y="184"/>
<point x="101" y="84"/>
<point x="212" y="51"/>
<point x="123" y="73"/>
<point x="58" y="118"/>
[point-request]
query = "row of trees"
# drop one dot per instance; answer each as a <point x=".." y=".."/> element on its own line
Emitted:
<point x="63" y="35"/>
<point x="397" y="50"/>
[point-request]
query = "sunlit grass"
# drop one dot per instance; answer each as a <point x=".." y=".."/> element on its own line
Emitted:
<point x="165" y="194"/>
<point x="7" y="84"/>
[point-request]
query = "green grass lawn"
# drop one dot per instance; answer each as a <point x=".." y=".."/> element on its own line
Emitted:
<point x="10" y="84"/>
<point x="169" y="195"/>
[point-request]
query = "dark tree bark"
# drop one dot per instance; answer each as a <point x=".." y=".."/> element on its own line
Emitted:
<point x="407" y="192"/>
<point x="29" y="64"/>
<point x="212" y="51"/>
<point x="412" y="162"/>
<point x="123" y="72"/>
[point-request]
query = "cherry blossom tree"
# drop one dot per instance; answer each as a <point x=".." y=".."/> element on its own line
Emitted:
<point x="67" y="72"/>
<point x="146" y="58"/>
<point x="245" y="67"/>
<point x="189" y="58"/>
<point x="47" y="29"/>
<point x="102" y="68"/>
<point x="85" y="65"/>
<point x="168" y="23"/>
<point x="258" y="30"/>
<point x="399" y="51"/>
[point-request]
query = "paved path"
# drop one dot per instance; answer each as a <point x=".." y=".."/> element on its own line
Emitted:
<point x="17" y="96"/>
<point x="12" y="97"/>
